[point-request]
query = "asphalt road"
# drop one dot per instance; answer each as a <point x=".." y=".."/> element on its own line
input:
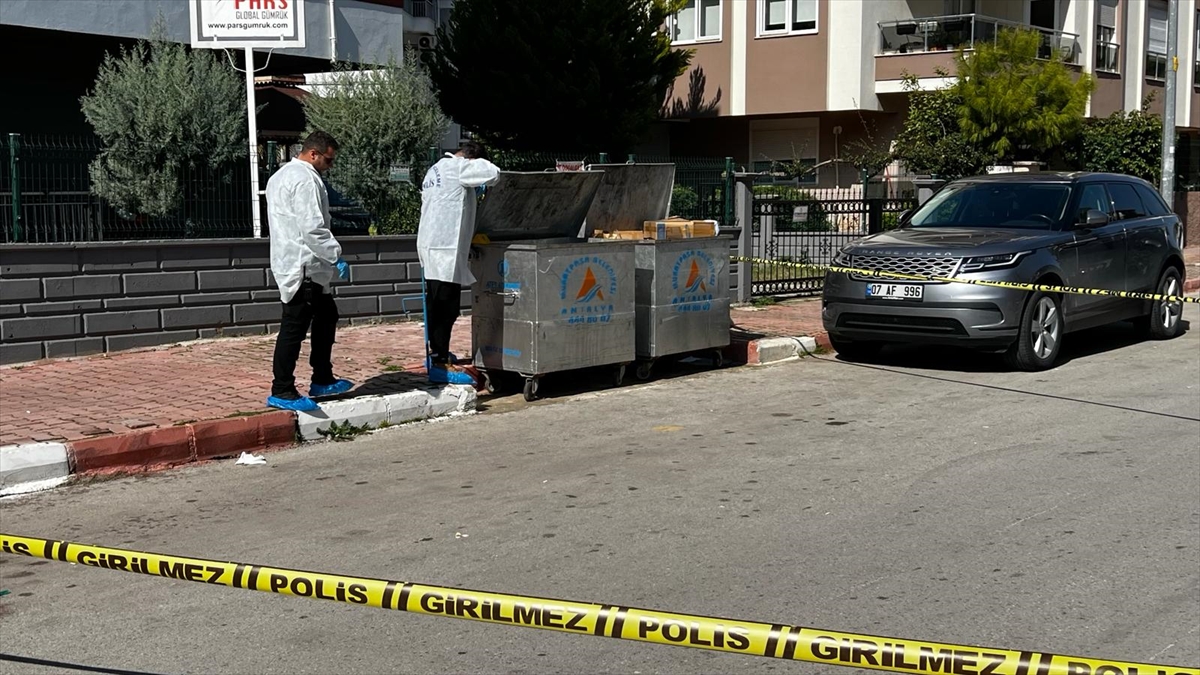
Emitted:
<point x="931" y="497"/>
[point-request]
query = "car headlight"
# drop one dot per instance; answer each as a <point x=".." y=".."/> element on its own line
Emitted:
<point x="841" y="258"/>
<point x="992" y="262"/>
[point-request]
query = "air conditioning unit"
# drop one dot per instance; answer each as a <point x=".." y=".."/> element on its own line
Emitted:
<point x="426" y="42"/>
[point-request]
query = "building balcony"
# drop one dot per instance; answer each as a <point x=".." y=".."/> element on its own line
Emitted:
<point x="922" y="45"/>
<point x="424" y="15"/>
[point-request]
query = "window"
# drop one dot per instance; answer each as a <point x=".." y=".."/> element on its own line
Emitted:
<point x="1094" y="197"/>
<point x="1154" y="204"/>
<point x="1107" y="49"/>
<point x="1156" y="46"/>
<point x="1196" y="67"/>
<point x="1126" y="203"/>
<point x="959" y="7"/>
<point x="1035" y="206"/>
<point x="786" y="17"/>
<point x="698" y="20"/>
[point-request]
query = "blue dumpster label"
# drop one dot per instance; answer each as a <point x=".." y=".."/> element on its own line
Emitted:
<point x="693" y="280"/>
<point x="588" y="290"/>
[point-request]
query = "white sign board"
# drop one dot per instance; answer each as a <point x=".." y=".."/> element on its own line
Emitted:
<point x="219" y="24"/>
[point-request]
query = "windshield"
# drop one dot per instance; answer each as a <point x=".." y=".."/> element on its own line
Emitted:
<point x="1009" y="204"/>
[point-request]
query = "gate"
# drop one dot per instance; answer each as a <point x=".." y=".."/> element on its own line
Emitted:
<point x="794" y="235"/>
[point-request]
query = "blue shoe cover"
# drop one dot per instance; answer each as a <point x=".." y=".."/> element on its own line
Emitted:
<point x="339" y="387"/>
<point x="302" y="404"/>
<point x="429" y="361"/>
<point x="439" y="375"/>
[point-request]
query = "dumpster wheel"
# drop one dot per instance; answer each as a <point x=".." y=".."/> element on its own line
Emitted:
<point x="718" y="358"/>
<point x="531" y="389"/>
<point x="619" y="376"/>
<point x="488" y="385"/>
<point x="643" y="370"/>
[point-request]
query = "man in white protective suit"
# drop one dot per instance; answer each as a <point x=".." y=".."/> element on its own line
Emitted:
<point x="304" y="257"/>
<point x="448" y="197"/>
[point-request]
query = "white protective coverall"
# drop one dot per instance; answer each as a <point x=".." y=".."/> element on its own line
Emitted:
<point x="448" y="216"/>
<point x="301" y="243"/>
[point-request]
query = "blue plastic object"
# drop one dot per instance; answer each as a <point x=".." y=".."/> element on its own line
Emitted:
<point x="302" y="404"/>
<point x="343" y="269"/>
<point x="439" y="375"/>
<point x="339" y="387"/>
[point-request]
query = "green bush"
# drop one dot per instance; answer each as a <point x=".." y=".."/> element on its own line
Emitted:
<point x="684" y="201"/>
<point x="402" y="213"/>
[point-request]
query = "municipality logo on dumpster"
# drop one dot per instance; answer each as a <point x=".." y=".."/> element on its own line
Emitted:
<point x="588" y="288"/>
<point x="698" y="274"/>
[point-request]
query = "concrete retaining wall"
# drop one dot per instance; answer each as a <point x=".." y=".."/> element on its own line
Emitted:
<point x="61" y="300"/>
<point x="75" y="299"/>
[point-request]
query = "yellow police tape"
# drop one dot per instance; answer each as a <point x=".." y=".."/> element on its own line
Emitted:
<point x="1067" y="290"/>
<point x="794" y="643"/>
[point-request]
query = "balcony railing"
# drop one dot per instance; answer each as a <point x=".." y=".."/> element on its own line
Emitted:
<point x="422" y="9"/>
<point x="1108" y="56"/>
<point x="924" y="35"/>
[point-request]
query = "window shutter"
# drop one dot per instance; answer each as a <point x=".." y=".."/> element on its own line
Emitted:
<point x="1158" y="31"/>
<point x="1107" y="16"/>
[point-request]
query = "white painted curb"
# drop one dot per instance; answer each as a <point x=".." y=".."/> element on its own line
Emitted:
<point x="372" y="411"/>
<point x="31" y="462"/>
<point x="774" y="350"/>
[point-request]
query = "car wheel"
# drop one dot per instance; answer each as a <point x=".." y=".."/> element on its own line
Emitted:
<point x="853" y="350"/>
<point x="1040" y="338"/>
<point x="1165" y="320"/>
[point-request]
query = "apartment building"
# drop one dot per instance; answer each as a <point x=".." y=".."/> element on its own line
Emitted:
<point x="775" y="80"/>
<point x="61" y="43"/>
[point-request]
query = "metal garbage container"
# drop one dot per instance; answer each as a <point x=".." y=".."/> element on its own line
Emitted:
<point x="546" y="299"/>
<point x="682" y="285"/>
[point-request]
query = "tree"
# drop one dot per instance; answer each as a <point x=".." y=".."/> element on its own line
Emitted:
<point x="1014" y="104"/>
<point x="586" y="75"/>
<point x="160" y="109"/>
<point x="381" y="118"/>
<point x="931" y="141"/>
<point x="1124" y="142"/>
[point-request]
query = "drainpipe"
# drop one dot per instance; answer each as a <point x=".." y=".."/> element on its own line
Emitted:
<point x="332" y="35"/>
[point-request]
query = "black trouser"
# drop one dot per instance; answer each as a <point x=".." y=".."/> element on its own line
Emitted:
<point x="442" y="301"/>
<point x="314" y="306"/>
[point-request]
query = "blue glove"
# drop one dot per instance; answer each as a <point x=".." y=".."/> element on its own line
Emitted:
<point x="343" y="269"/>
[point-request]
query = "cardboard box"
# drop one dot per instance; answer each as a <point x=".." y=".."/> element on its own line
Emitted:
<point x="622" y="234"/>
<point x="678" y="228"/>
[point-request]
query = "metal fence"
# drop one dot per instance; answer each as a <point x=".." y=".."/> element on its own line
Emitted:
<point x="46" y="196"/>
<point x="797" y="230"/>
<point x="46" y="192"/>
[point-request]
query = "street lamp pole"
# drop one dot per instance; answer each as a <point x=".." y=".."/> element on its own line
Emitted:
<point x="1168" y="132"/>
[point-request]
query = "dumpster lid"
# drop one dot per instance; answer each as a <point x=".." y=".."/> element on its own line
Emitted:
<point x="629" y="195"/>
<point x="536" y="205"/>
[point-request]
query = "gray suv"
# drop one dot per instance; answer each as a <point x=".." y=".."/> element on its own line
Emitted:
<point x="1088" y="230"/>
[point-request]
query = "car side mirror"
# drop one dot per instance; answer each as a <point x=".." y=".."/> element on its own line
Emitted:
<point x="1093" y="218"/>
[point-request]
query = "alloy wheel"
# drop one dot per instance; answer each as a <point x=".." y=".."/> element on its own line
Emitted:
<point x="1046" y="328"/>
<point x="1170" y="311"/>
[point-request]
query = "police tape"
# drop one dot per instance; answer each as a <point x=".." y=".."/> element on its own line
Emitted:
<point x="1014" y="285"/>
<point x="780" y="641"/>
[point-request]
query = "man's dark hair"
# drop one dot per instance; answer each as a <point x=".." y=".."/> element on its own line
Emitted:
<point x="319" y="141"/>
<point x="473" y="150"/>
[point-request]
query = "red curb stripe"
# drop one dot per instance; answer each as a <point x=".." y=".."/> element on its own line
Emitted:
<point x="171" y="446"/>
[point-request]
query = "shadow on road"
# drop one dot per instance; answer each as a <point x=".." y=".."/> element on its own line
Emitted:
<point x="1081" y="345"/>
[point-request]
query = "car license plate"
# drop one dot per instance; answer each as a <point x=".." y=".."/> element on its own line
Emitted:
<point x="896" y="291"/>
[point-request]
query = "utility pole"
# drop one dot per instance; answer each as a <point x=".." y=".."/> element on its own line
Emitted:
<point x="1168" y="136"/>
